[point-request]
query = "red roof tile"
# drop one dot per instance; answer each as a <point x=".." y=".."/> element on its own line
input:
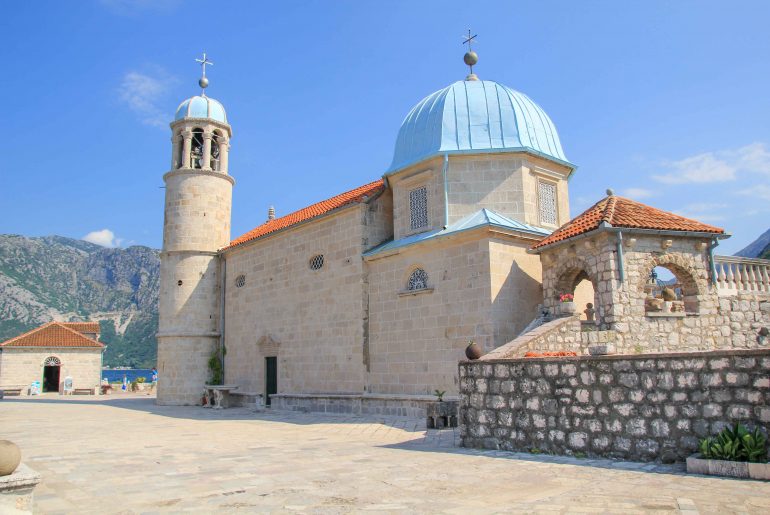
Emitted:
<point x="317" y="209"/>
<point x="623" y="212"/>
<point x="52" y="334"/>
<point x="82" y="327"/>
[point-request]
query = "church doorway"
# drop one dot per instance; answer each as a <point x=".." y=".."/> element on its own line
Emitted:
<point x="271" y="378"/>
<point x="51" y="369"/>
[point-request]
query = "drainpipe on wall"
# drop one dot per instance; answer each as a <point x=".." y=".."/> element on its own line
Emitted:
<point x="446" y="191"/>
<point x="712" y="266"/>
<point x="621" y="266"/>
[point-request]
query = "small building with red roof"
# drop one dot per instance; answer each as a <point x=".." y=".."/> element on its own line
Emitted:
<point x="50" y="354"/>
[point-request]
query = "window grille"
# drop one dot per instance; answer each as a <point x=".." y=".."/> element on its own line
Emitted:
<point x="240" y="281"/>
<point x="316" y="262"/>
<point x="52" y="362"/>
<point x="418" y="280"/>
<point x="547" y="200"/>
<point x="418" y="207"/>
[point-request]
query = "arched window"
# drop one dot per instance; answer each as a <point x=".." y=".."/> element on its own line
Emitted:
<point x="216" y="141"/>
<point x="196" y="149"/>
<point x="52" y="361"/>
<point x="179" y="150"/>
<point x="670" y="288"/>
<point x="418" y="280"/>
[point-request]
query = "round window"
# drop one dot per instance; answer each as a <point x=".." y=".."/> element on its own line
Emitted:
<point x="316" y="262"/>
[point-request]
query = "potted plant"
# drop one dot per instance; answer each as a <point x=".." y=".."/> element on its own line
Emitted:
<point x="567" y="303"/>
<point x="735" y="452"/>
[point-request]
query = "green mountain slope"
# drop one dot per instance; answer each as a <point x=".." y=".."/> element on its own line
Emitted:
<point x="56" y="278"/>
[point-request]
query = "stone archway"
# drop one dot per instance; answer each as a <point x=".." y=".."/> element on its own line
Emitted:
<point x="576" y="277"/>
<point x="689" y="277"/>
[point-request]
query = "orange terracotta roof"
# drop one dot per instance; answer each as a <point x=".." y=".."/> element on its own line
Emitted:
<point x="623" y="212"/>
<point x="317" y="209"/>
<point x="52" y="334"/>
<point x="82" y="327"/>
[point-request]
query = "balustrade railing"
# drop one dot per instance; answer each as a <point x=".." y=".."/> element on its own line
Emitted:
<point x="736" y="274"/>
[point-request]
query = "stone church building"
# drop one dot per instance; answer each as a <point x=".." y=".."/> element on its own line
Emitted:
<point x="367" y="300"/>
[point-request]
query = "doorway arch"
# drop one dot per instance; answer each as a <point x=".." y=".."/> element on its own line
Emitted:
<point x="51" y="374"/>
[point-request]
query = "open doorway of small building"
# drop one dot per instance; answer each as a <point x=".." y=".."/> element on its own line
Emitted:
<point x="271" y="378"/>
<point x="585" y="296"/>
<point x="51" y="373"/>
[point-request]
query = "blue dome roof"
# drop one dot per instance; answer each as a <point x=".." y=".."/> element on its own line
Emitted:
<point x="474" y="116"/>
<point x="201" y="107"/>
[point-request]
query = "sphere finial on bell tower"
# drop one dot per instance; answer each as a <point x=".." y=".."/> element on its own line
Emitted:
<point x="203" y="82"/>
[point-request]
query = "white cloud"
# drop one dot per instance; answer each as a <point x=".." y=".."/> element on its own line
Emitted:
<point x="701" y="168"/>
<point x="721" y="166"/>
<point x="142" y="92"/>
<point x="637" y="193"/>
<point x="105" y="238"/>
<point x="761" y="191"/>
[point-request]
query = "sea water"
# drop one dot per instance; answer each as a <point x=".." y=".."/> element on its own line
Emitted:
<point x="117" y="375"/>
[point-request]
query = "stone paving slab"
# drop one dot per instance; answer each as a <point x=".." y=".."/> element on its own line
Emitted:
<point x="129" y="456"/>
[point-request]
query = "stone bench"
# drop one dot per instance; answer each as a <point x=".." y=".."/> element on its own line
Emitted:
<point x="11" y="391"/>
<point x="83" y="391"/>
<point x="248" y="399"/>
<point x="218" y="395"/>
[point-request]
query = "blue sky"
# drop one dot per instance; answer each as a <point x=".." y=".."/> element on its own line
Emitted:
<point x="666" y="102"/>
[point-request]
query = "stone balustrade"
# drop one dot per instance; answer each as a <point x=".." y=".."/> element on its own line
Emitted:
<point x="736" y="274"/>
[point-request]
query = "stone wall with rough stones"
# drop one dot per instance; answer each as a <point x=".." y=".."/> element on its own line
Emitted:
<point x="649" y="407"/>
<point x="710" y="321"/>
<point x="22" y="366"/>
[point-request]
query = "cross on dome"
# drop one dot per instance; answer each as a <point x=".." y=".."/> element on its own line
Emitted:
<point x="203" y="82"/>
<point x="470" y="56"/>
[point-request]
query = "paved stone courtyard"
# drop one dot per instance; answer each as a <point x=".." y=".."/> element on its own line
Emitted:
<point x="127" y="455"/>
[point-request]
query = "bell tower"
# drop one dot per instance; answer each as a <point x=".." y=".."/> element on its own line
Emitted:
<point x="196" y="225"/>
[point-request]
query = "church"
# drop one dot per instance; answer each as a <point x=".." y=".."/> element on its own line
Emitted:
<point x="367" y="299"/>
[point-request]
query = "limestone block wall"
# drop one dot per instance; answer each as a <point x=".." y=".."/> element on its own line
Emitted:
<point x="429" y="175"/>
<point x="515" y="288"/>
<point x="651" y="407"/>
<point x="415" y="340"/>
<point x="311" y="320"/>
<point x="22" y="366"/>
<point x="197" y="210"/>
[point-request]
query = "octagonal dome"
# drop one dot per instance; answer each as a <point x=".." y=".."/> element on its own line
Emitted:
<point x="475" y="116"/>
<point x="201" y="106"/>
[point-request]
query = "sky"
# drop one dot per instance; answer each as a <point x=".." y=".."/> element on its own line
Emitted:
<point x="664" y="102"/>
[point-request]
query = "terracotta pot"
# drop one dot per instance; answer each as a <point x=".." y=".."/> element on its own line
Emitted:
<point x="10" y="457"/>
<point x="473" y="351"/>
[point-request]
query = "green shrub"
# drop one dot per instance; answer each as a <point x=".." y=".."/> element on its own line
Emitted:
<point x="736" y="444"/>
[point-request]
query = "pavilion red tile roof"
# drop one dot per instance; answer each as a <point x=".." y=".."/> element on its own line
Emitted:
<point x="623" y="212"/>
<point x="325" y="206"/>
<point x="52" y="334"/>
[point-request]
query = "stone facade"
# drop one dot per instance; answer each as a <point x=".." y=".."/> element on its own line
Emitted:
<point x="20" y="366"/>
<point x="649" y="407"/>
<point x="710" y="320"/>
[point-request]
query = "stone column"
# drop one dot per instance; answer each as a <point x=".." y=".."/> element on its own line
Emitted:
<point x="224" y="146"/>
<point x="206" y="165"/>
<point x="175" y="140"/>
<point x="186" y="149"/>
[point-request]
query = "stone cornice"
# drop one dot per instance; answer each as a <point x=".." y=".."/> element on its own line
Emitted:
<point x="197" y="171"/>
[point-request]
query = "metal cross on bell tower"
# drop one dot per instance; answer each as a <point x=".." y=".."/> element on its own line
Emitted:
<point x="203" y="82"/>
<point x="470" y="56"/>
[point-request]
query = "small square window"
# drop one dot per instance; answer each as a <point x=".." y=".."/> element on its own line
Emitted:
<point x="418" y="207"/>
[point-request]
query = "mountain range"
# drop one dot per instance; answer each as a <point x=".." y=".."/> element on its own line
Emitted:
<point x="57" y="278"/>
<point x="759" y="248"/>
